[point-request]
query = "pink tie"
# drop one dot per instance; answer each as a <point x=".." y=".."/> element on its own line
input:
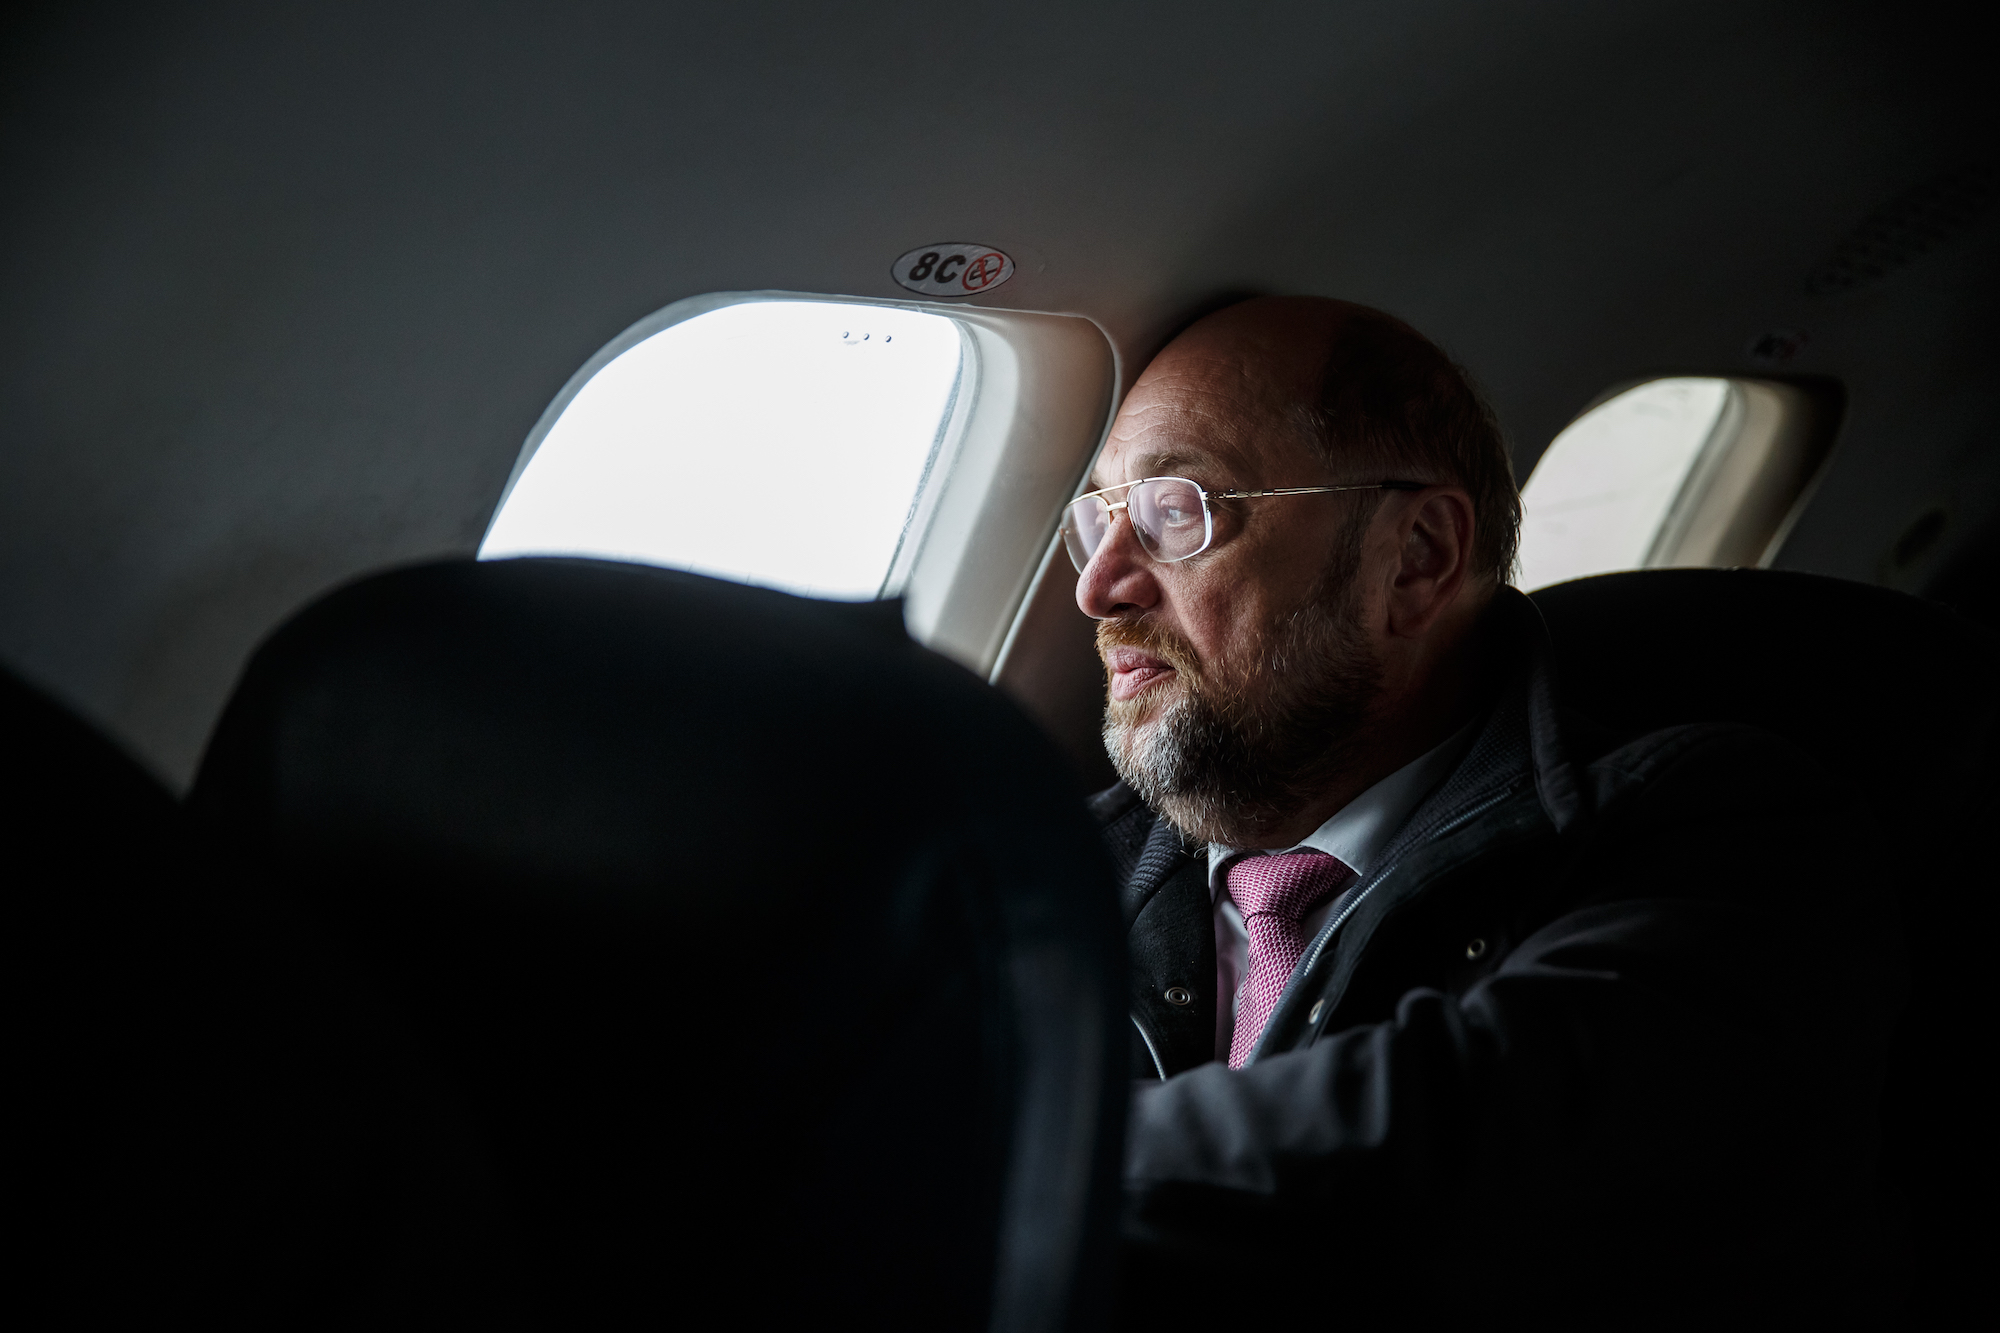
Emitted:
<point x="1273" y="893"/>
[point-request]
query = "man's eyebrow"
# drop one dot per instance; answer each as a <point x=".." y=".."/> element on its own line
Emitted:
<point x="1166" y="464"/>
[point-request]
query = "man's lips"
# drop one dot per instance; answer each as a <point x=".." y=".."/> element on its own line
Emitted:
<point x="1132" y="670"/>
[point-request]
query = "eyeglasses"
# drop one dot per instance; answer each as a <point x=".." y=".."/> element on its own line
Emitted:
<point x="1170" y="516"/>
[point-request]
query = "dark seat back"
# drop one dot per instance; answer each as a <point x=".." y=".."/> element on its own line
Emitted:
<point x="206" y="1119"/>
<point x="91" y="847"/>
<point x="766" y="967"/>
<point x="1901" y="700"/>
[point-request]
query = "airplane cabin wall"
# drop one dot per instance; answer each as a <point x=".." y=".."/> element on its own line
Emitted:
<point x="286" y="286"/>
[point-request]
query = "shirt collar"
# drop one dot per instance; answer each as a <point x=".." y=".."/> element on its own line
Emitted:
<point x="1362" y="828"/>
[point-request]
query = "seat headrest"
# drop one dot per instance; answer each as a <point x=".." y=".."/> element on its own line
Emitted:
<point x="765" y="952"/>
<point x="102" y="932"/>
<point x="1894" y="693"/>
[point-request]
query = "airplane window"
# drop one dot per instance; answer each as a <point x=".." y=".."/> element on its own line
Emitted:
<point x="784" y="443"/>
<point x="1680" y="471"/>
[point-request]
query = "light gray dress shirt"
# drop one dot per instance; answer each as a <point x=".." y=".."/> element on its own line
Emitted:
<point x="1357" y="835"/>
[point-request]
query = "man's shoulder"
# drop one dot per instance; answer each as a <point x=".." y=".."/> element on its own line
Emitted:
<point x="1721" y="811"/>
<point x="1707" y="764"/>
<point x="1701" y="785"/>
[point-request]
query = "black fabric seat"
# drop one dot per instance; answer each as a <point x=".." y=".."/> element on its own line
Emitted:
<point x="764" y="970"/>
<point x="92" y="853"/>
<point x="209" y="1121"/>
<point x="1898" y="697"/>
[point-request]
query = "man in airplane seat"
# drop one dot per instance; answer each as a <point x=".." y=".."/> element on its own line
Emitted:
<point x="1439" y="993"/>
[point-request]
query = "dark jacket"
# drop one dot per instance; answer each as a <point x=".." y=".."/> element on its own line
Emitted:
<point x="1607" y="1023"/>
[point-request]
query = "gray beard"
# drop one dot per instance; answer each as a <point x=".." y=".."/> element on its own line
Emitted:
<point x="1231" y="763"/>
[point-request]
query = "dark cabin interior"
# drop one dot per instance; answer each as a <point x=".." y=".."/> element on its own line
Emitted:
<point x="287" y="287"/>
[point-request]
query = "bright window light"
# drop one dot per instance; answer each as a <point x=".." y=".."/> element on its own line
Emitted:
<point x="773" y="442"/>
<point x="1602" y="493"/>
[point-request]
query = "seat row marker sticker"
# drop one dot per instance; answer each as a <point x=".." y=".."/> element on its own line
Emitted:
<point x="952" y="268"/>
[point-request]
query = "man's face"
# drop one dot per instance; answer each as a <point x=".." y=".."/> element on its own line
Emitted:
<point x="1237" y="677"/>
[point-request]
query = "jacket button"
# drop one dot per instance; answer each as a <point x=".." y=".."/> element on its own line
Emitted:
<point x="1312" y="1014"/>
<point x="1179" y="995"/>
<point x="1476" y="950"/>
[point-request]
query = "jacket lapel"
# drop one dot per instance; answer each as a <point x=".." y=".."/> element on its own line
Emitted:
<point x="1159" y="857"/>
<point x="1171" y="935"/>
<point x="1171" y="951"/>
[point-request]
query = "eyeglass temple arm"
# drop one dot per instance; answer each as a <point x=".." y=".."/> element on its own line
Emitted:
<point x="1112" y="506"/>
<point x="1317" y="490"/>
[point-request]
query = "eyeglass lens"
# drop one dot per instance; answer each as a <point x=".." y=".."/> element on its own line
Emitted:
<point x="1168" y="517"/>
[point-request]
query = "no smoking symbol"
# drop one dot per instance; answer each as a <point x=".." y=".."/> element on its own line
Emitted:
<point x="984" y="271"/>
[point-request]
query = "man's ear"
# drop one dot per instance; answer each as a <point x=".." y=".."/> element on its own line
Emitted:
<point x="1435" y="549"/>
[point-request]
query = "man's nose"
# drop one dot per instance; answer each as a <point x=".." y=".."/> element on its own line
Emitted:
<point x="1120" y="576"/>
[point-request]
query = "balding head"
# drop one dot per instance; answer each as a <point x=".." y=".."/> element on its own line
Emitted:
<point x="1319" y="636"/>
<point x="1268" y="352"/>
<point x="1368" y="391"/>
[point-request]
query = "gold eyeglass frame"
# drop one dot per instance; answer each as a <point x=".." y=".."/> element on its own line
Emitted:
<point x="1207" y="511"/>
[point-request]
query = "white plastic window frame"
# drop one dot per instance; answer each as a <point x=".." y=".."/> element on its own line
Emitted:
<point x="1751" y="480"/>
<point x="1034" y="400"/>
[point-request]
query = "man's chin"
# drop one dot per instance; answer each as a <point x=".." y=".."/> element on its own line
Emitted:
<point x="1137" y="736"/>
<point x="1129" y="727"/>
<point x="1125" y="741"/>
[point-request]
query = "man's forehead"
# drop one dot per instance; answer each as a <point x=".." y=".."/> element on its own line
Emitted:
<point x="1179" y="427"/>
<point x="1118" y="465"/>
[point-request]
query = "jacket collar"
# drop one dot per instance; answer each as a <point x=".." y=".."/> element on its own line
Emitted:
<point x="1163" y="854"/>
<point x="1526" y="734"/>
<point x="1553" y="731"/>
